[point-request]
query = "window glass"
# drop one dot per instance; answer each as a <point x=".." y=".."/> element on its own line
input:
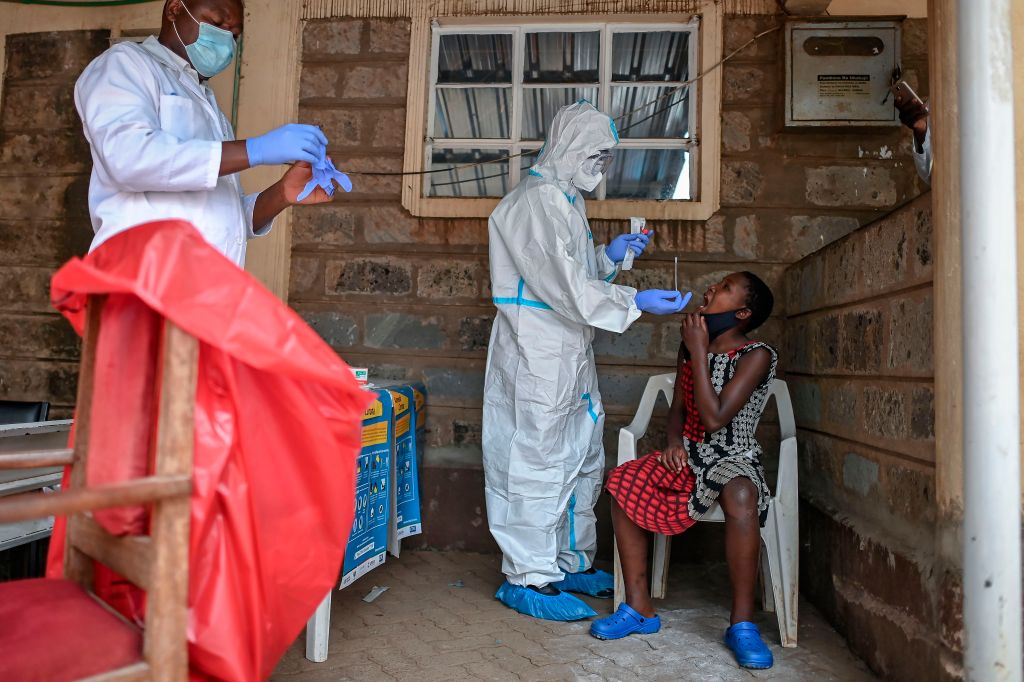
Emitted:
<point x="642" y="111"/>
<point x="636" y="76"/>
<point x="650" y="56"/>
<point x="541" y="104"/>
<point x="649" y="174"/>
<point x="477" y="113"/>
<point x="562" y="57"/>
<point x="465" y="180"/>
<point x="471" y="58"/>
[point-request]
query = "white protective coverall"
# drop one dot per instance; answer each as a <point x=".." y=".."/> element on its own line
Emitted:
<point x="156" y="134"/>
<point x="543" y="419"/>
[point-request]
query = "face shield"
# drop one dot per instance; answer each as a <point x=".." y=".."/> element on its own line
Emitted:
<point x="598" y="163"/>
<point x="592" y="170"/>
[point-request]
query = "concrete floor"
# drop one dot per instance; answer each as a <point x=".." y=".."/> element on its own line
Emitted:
<point x="439" y="621"/>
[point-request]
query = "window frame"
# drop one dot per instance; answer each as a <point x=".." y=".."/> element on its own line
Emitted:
<point x="705" y="130"/>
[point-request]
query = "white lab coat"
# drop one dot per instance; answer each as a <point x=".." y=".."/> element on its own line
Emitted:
<point x="923" y="156"/>
<point x="156" y="133"/>
<point x="543" y="420"/>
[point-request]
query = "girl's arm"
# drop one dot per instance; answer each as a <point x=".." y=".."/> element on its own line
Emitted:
<point x="717" y="410"/>
<point x="674" y="457"/>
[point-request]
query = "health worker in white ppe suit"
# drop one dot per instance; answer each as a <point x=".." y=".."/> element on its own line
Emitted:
<point x="161" y="146"/>
<point x="543" y="418"/>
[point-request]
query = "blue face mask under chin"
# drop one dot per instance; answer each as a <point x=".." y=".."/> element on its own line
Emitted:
<point x="213" y="50"/>
<point x="719" y="323"/>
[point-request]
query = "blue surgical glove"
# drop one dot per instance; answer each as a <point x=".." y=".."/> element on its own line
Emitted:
<point x="289" y="143"/>
<point x="662" y="302"/>
<point x="324" y="176"/>
<point x="616" y="251"/>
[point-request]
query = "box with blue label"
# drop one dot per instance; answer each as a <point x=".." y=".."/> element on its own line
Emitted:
<point x="367" y="545"/>
<point x="410" y="432"/>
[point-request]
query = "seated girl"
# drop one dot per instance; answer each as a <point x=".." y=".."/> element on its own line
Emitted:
<point x="711" y="456"/>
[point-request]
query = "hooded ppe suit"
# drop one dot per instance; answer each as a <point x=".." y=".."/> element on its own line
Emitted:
<point x="543" y="418"/>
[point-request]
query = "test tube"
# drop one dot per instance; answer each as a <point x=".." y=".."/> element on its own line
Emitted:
<point x="636" y="226"/>
<point x="676" y="280"/>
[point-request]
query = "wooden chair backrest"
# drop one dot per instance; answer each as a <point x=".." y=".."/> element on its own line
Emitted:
<point x="157" y="563"/>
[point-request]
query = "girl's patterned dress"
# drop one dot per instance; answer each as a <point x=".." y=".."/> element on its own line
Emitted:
<point x="662" y="501"/>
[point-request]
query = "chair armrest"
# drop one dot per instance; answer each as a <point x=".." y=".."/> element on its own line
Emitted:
<point x="627" y="445"/>
<point x="787" y="482"/>
<point x="629" y="435"/>
<point x="124" y="494"/>
<point x="787" y="423"/>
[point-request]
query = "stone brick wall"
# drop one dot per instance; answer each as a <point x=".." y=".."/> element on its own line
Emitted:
<point x="409" y="297"/>
<point x="859" y="362"/>
<point x="789" y="192"/>
<point x="44" y="216"/>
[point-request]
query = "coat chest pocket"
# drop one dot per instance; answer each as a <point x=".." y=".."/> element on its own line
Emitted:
<point x="181" y="117"/>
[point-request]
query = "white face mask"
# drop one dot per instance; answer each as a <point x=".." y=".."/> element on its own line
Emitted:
<point x="586" y="181"/>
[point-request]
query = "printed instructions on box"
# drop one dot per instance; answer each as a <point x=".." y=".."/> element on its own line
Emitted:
<point x="367" y="546"/>
<point x="409" y="402"/>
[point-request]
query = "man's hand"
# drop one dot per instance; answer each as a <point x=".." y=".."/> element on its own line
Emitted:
<point x="284" y="193"/>
<point x="695" y="335"/>
<point x="674" y="458"/>
<point x="661" y="302"/>
<point x="913" y="114"/>
<point x="616" y="251"/>
<point x="920" y="128"/>
<point x="295" y="180"/>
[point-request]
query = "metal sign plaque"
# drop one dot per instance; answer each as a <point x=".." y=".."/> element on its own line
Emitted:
<point x="838" y="73"/>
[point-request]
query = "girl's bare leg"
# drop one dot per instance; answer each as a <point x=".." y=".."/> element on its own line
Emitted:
<point x="632" y="541"/>
<point x="742" y="544"/>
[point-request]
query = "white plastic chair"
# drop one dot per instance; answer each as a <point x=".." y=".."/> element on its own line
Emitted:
<point x="779" y="537"/>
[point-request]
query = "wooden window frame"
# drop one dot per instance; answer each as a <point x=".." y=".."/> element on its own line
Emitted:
<point x="707" y="105"/>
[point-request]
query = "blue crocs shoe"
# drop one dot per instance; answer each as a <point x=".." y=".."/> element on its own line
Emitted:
<point x="744" y="639"/>
<point x="547" y="602"/>
<point x="600" y="584"/>
<point x="626" y="621"/>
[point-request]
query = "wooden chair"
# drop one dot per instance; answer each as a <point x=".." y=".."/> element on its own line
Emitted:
<point x="79" y="636"/>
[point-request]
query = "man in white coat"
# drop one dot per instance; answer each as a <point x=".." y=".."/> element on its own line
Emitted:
<point x="543" y="420"/>
<point x="161" y="146"/>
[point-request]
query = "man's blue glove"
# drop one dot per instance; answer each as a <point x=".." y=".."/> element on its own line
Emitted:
<point x="616" y="251"/>
<point x="324" y="177"/>
<point x="662" y="302"/>
<point x="289" y="143"/>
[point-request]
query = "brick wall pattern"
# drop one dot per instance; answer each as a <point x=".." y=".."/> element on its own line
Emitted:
<point x="860" y="370"/>
<point x="44" y="215"/>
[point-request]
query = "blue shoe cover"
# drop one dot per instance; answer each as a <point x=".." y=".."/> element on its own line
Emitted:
<point x="562" y="606"/>
<point x="750" y="650"/>
<point x="596" y="584"/>
<point x="625" y="621"/>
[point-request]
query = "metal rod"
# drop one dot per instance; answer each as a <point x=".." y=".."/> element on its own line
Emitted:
<point x="992" y="550"/>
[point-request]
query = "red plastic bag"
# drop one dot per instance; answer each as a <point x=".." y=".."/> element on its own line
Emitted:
<point x="277" y="431"/>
